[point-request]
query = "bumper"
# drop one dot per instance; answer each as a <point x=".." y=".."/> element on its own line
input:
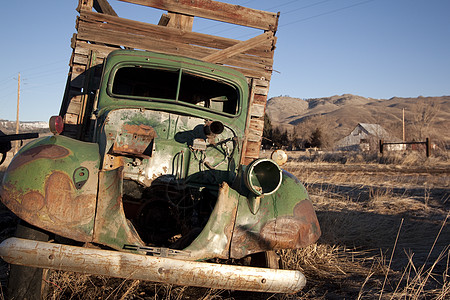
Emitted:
<point x="151" y="268"/>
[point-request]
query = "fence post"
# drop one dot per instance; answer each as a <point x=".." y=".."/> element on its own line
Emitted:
<point x="428" y="147"/>
<point x="381" y="146"/>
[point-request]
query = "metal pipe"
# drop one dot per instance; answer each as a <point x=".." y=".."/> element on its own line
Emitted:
<point x="158" y="269"/>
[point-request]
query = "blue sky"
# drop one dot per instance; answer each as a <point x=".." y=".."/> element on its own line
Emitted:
<point x="371" y="48"/>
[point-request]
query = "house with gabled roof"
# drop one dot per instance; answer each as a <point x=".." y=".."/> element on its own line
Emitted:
<point x="366" y="137"/>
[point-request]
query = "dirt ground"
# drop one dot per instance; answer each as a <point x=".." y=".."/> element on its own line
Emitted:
<point x="385" y="235"/>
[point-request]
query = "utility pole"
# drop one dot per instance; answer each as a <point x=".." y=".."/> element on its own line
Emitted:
<point x="403" y="122"/>
<point x="16" y="146"/>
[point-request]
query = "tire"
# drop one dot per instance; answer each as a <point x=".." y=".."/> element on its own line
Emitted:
<point x="267" y="259"/>
<point x="28" y="282"/>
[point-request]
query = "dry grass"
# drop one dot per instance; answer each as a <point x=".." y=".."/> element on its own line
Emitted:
<point x="385" y="236"/>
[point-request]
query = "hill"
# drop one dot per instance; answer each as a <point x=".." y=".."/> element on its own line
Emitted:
<point x="9" y="127"/>
<point x="423" y="115"/>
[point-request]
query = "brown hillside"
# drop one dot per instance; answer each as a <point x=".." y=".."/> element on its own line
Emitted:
<point x="343" y="113"/>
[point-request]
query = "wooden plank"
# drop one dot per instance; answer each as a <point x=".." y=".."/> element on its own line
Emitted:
<point x="252" y="151"/>
<point x="70" y="119"/>
<point x="261" y="90"/>
<point x="257" y="125"/>
<point x="262" y="83"/>
<point x="172" y="34"/>
<point x="80" y="59"/>
<point x="218" y="11"/>
<point x="115" y="34"/>
<point x="103" y="6"/>
<point x="257" y="110"/>
<point x="164" y="20"/>
<point x="84" y="5"/>
<point x="102" y="50"/>
<point x="97" y="33"/>
<point x="238" y="48"/>
<point x="180" y="21"/>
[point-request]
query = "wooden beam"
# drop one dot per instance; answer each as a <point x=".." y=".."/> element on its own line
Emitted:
<point x="215" y="10"/>
<point x="164" y="20"/>
<point x="100" y="33"/>
<point x="103" y="6"/>
<point x="263" y="51"/>
<point x="239" y="48"/>
<point x="84" y="5"/>
<point x="180" y="21"/>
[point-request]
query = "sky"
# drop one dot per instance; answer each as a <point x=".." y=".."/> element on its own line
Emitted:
<point x="371" y="48"/>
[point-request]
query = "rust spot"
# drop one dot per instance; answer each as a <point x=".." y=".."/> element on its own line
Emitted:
<point x="38" y="152"/>
<point x="292" y="232"/>
<point x="143" y="130"/>
<point x="33" y="201"/>
<point x="62" y="202"/>
<point x="135" y="139"/>
<point x="287" y="232"/>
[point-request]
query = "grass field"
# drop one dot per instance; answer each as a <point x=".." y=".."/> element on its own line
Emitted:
<point x="385" y="235"/>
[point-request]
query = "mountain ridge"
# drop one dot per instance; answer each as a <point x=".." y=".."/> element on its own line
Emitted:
<point x="343" y="112"/>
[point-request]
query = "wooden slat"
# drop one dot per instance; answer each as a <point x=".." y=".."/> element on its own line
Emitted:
<point x="97" y="33"/>
<point x="71" y="119"/>
<point x="261" y="90"/>
<point x="238" y="48"/>
<point x="257" y="124"/>
<point x="173" y="34"/>
<point x="117" y="35"/>
<point x="180" y="21"/>
<point x="257" y="110"/>
<point x="103" y="6"/>
<point x="215" y="10"/>
<point x="252" y="151"/>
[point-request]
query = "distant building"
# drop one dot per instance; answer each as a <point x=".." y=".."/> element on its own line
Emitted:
<point x="366" y="137"/>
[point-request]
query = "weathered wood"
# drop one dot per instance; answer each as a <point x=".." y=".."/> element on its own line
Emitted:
<point x="164" y="20"/>
<point x="106" y="34"/>
<point x="239" y="48"/>
<point x="261" y="90"/>
<point x="101" y="33"/>
<point x="103" y="6"/>
<point x="215" y="10"/>
<point x="257" y="110"/>
<point x="257" y="124"/>
<point x="180" y="21"/>
<point x="70" y="119"/>
<point x="85" y="5"/>
<point x="251" y="151"/>
<point x="263" y="51"/>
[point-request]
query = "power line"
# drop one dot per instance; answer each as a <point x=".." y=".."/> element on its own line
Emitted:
<point x="300" y="8"/>
<point x="326" y="13"/>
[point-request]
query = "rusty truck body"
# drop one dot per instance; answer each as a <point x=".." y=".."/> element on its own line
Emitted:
<point x="154" y="159"/>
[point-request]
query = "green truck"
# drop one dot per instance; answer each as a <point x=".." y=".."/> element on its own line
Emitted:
<point x="152" y="166"/>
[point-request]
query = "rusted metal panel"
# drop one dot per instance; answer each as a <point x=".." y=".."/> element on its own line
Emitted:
<point x="151" y="268"/>
<point x="48" y="187"/>
<point x="111" y="226"/>
<point x="134" y="140"/>
<point x="285" y="220"/>
<point x="215" y="238"/>
<point x="215" y="10"/>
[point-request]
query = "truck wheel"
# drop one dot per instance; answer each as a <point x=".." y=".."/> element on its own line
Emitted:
<point x="28" y="282"/>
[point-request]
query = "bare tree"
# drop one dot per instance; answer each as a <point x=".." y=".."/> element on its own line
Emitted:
<point x="424" y="114"/>
<point x="315" y="131"/>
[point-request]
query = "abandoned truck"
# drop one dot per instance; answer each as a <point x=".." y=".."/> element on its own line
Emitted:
<point x="155" y="175"/>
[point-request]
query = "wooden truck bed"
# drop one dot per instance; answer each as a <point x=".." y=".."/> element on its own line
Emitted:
<point x="101" y="31"/>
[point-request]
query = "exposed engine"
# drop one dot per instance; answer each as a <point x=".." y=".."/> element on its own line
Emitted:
<point x="169" y="213"/>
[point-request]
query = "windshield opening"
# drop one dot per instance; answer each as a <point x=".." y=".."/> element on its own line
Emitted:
<point x="139" y="82"/>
